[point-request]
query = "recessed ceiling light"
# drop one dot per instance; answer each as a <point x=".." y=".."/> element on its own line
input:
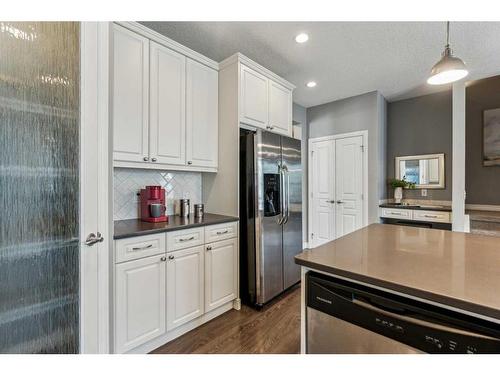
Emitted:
<point x="311" y="84"/>
<point x="302" y="38"/>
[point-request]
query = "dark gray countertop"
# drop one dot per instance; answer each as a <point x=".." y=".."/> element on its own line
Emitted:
<point x="452" y="268"/>
<point x="416" y="207"/>
<point x="136" y="227"/>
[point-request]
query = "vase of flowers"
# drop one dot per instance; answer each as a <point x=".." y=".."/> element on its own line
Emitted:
<point x="398" y="186"/>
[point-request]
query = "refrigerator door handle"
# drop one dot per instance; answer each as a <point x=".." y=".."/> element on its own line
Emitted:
<point x="281" y="217"/>
<point x="287" y="211"/>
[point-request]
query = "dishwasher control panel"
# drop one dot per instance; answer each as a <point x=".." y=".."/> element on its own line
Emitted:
<point x="416" y="324"/>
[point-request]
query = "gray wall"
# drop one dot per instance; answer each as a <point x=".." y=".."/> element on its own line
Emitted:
<point x="421" y="125"/>
<point x="481" y="183"/>
<point x="362" y="112"/>
<point x="300" y="115"/>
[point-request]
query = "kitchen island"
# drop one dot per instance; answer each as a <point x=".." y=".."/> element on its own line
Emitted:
<point x="456" y="271"/>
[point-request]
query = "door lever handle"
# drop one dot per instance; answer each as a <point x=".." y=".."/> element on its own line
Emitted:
<point x="92" y="239"/>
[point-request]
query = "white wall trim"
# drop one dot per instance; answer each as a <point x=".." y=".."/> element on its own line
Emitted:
<point x="95" y="187"/>
<point x="311" y="141"/>
<point x="169" y="43"/>
<point x="458" y="162"/>
<point x="482" y="207"/>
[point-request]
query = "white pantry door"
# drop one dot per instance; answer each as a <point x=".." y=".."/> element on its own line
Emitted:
<point x="323" y="192"/>
<point x="348" y="184"/>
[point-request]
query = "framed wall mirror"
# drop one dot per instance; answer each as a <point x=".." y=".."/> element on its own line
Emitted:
<point x="425" y="171"/>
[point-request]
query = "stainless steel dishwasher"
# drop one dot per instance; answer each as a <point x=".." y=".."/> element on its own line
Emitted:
<point x="346" y="318"/>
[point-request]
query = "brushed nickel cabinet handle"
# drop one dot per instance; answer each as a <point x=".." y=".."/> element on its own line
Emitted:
<point x="186" y="239"/>
<point x="209" y="248"/>
<point x="153" y="159"/>
<point x="163" y="259"/>
<point x="142" y="247"/>
<point x="171" y="257"/>
<point x="223" y="232"/>
<point x="145" y="158"/>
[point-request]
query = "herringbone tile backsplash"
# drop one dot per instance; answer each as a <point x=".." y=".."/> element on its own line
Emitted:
<point x="177" y="185"/>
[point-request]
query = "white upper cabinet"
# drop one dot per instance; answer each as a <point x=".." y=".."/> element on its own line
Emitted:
<point x="280" y="109"/>
<point x="264" y="99"/>
<point x="165" y="103"/>
<point x="254" y="98"/>
<point x="201" y="115"/>
<point x="221" y="273"/>
<point x="184" y="286"/>
<point x="130" y="76"/>
<point x="167" y="135"/>
<point x="139" y="302"/>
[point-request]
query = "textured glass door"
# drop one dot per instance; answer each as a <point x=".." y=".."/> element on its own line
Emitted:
<point x="39" y="187"/>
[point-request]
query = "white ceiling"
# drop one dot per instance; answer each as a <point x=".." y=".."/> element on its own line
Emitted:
<point x="345" y="58"/>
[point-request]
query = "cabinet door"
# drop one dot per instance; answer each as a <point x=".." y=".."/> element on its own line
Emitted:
<point x="280" y="109"/>
<point x="167" y="136"/>
<point x="184" y="286"/>
<point x="253" y="98"/>
<point x="139" y="302"/>
<point x="201" y="115"/>
<point x="221" y="273"/>
<point x="130" y="75"/>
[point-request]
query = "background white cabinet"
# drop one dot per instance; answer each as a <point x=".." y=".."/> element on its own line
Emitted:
<point x="167" y="134"/>
<point x="202" y="91"/>
<point x="221" y="273"/>
<point x="130" y="112"/>
<point x="139" y="302"/>
<point x="280" y="109"/>
<point x="253" y="98"/>
<point x="184" y="286"/>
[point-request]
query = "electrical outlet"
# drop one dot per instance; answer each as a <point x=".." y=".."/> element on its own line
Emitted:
<point x="424" y="192"/>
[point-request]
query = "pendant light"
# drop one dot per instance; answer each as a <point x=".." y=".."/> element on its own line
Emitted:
<point x="449" y="68"/>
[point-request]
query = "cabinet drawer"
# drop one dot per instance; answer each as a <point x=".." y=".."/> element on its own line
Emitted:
<point x="397" y="213"/>
<point x="434" y="216"/>
<point x="139" y="247"/>
<point x="221" y="231"/>
<point x="182" y="239"/>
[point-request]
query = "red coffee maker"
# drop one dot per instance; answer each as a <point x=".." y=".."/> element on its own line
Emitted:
<point x="153" y="206"/>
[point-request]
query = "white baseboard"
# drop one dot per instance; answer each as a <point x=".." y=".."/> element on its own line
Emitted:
<point x="482" y="207"/>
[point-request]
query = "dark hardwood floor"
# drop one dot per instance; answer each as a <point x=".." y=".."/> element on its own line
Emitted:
<point x="274" y="330"/>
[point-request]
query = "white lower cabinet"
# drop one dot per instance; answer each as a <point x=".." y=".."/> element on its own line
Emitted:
<point x="156" y="294"/>
<point x="184" y="286"/>
<point x="221" y="273"/>
<point x="139" y="302"/>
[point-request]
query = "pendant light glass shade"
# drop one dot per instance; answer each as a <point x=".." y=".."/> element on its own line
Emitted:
<point x="449" y="68"/>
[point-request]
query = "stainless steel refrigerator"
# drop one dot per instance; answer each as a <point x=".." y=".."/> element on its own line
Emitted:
<point x="270" y="214"/>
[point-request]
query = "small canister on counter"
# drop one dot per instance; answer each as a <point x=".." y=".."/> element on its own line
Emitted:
<point x="184" y="207"/>
<point x="198" y="210"/>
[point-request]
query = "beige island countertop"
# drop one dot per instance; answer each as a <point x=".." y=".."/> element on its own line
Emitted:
<point x="460" y="270"/>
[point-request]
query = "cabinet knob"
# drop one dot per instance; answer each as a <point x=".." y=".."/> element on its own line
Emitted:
<point x="209" y="248"/>
<point x="153" y="159"/>
<point x="170" y="257"/>
<point x="145" y="158"/>
<point x="163" y="259"/>
<point x="190" y="162"/>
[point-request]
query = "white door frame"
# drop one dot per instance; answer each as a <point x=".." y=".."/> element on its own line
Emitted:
<point x="95" y="183"/>
<point x="364" y="134"/>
